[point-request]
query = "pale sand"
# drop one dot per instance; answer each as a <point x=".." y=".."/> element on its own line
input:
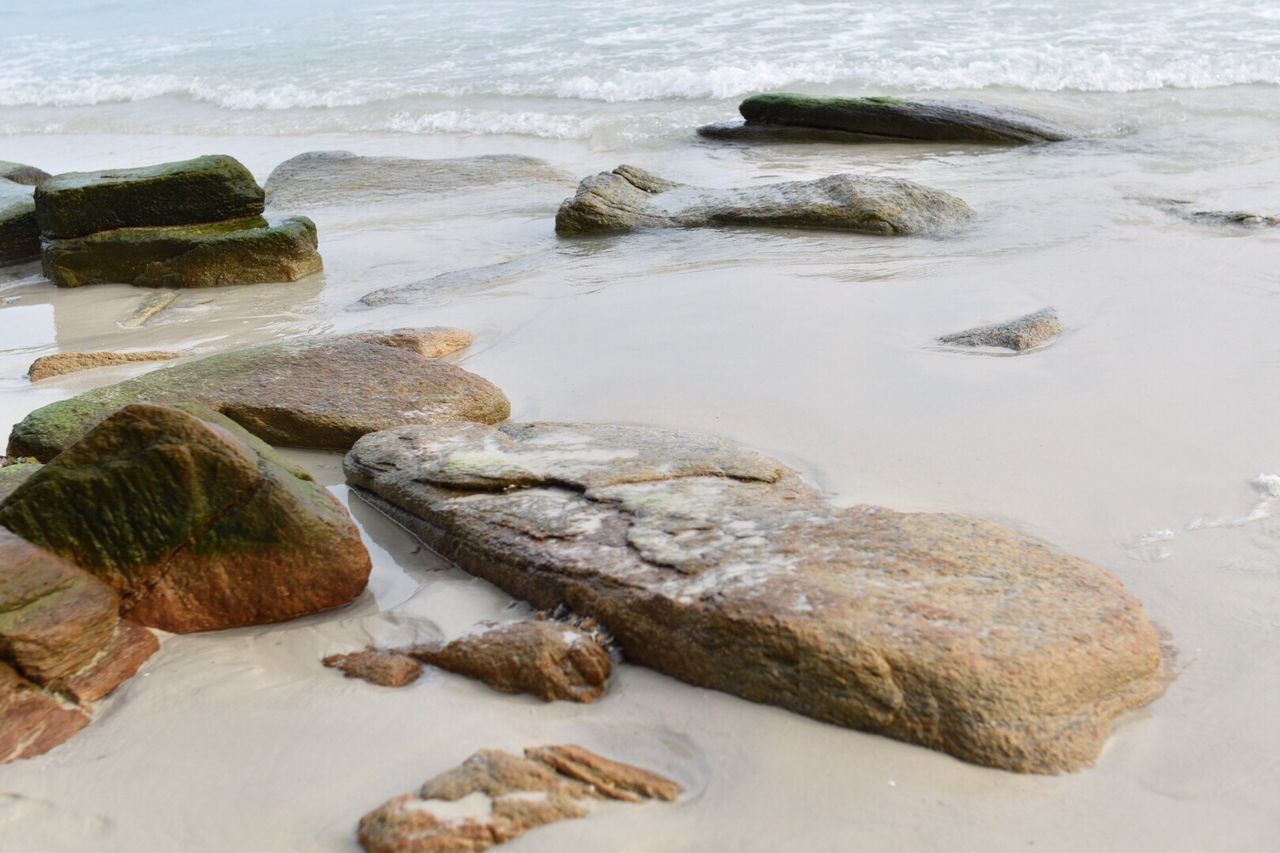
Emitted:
<point x="1156" y="408"/>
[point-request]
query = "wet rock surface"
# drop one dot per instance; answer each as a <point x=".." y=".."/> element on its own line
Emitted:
<point x="62" y="363"/>
<point x="785" y="117"/>
<point x="494" y="797"/>
<point x="722" y="568"/>
<point x="194" y="523"/>
<point x="19" y="233"/>
<point x="386" y="668"/>
<point x="629" y="198"/>
<point x="1024" y="333"/>
<point x="1184" y="209"/>
<point x="312" y="392"/>
<point x="21" y="173"/>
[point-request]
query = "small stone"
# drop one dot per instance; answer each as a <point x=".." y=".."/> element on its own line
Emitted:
<point x="1019" y="335"/>
<point x="59" y="364"/>
<point x="377" y="666"/>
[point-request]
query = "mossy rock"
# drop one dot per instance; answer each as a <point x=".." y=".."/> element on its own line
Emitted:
<point x="207" y="189"/>
<point x="239" y="251"/>
<point x="19" y="234"/>
<point x="14" y="474"/>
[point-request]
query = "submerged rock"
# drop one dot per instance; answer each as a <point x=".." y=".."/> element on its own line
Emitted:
<point x="323" y="178"/>
<point x="721" y="567"/>
<point x="19" y="234"/>
<point x="196" y="524"/>
<point x="150" y="306"/>
<point x="1021" y="334"/>
<point x="1237" y="218"/>
<point x="312" y="392"/>
<point x="240" y="251"/>
<point x="386" y="668"/>
<point x="494" y="797"/>
<point x="21" y="173"/>
<point x="784" y="117"/>
<point x="59" y="364"/>
<point x="629" y="198"/>
<point x="549" y="660"/>
<point x="206" y="189"/>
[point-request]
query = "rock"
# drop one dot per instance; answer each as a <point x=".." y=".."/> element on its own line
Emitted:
<point x="798" y="117"/>
<point x="311" y="392"/>
<point x="629" y="198"/>
<point x="19" y="234"/>
<point x="206" y="189"/>
<point x="325" y="178"/>
<point x="241" y="251"/>
<point x="431" y="342"/>
<point x="152" y="305"/>
<point x="59" y="364"/>
<point x="457" y="281"/>
<point x="196" y="524"/>
<point x="377" y="666"/>
<point x="1230" y="218"/>
<point x="21" y="173"/>
<point x="62" y="642"/>
<point x="1021" y="334"/>
<point x="14" y="472"/>
<point x="545" y="659"/>
<point x="721" y="567"/>
<point x="495" y="797"/>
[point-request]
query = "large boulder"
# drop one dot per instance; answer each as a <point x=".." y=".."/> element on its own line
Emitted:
<point x="784" y="117"/>
<point x="21" y="173"/>
<point x="19" y="234"/>
<point x="206" y="189"/>
<point x="62" y="646"/>
<point x="196" y="524"/>
<point x="721" y="567"/>
<point x="315" y="392"/>
<point x="238" y="251"/>
<point x="629" y="198"/>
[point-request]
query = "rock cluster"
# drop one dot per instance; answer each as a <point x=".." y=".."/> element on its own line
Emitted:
<point x="195" y="223"/>
<point x="494" y="797"/>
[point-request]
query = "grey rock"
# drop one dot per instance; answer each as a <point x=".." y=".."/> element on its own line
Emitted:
<point x="1021" y="334"/>
<point x="21" y="173"/>
<point x="19" y="234"/>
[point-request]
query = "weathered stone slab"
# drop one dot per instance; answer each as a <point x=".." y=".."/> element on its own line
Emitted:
<point x="240" y="251"/>
<point x="384" y="667"/>
<point x="1024" y="333"/>
<point x="62" y="363"/>
<point x="629" y="198"/>
<point x="722" y="568"/>
<point x="206" y="189"/>
<point x="19" y="234"/>
<point x="311" y="392"/>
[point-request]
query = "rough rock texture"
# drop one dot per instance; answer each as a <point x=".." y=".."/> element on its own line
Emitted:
<point x="14" y="472"/>
<point x="58" y="364"/>
<point x="150" y="306"/>
<point x="323" y="178"/>
<point x="196" y="524"/>
<point x="377" y="666"/>
<point x="722" y="568"/>
<point x="494" y="797"/>
<point x="1021" y="334"/>
<point x="1184" y="209"/>
<point x="431" y="342"/>
<point x="546" y="659"/>
<point x="629" y="198"/>
<point x="883" y="119"/>
<point x="240" y="251"/>
<point x="206" y="189"/>
<point x="21" y="173"/>
<point x="314" y="392"/>
<point x="62" y="642"/>
<point x="19" y="234"/>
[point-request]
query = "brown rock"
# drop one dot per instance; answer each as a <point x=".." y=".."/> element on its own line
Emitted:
<point x="494" y="797"/>
<point x="431" y="342"/>
<point x="32" y="720"/>
<point x="722" y="568"/>
<point x="546" y="659"/>
<point x="127" y="651"/>
<point x="48" y="366"/>
<point x="377" y="666"/>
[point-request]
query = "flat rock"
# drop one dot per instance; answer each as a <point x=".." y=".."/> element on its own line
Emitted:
<point x="386" y="668"/>
<point x="206" y="189"/>
<point x="629" y="198"/>
<point x="240" y="251"/>
<point x="1024" y="333"/>
<point x="311" y="392"/>
<point x="151" y="305"/>
<point x="784" y="117"/>
<point x="62" y="363"/>
<point x="546" y="659"/>
<point x="19" y="234"/>
<point x="21" y="173"/>
<point x="324" y="178"/>
<point x="721" y="567"/>
<point x="494" y="797"/>
<point x="195" y="524"/>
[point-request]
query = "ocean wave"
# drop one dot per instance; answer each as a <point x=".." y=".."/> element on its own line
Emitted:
<point x="489" y="122"/>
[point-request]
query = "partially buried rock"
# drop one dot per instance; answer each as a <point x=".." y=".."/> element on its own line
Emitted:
<point x="495" y="797"/>
<point x="59" y="364"/>
<point x="241" y="251"/>
<point x="196" y="524"/>
<point x="206" y="189"/>
<point x="1024" y="333"/>
<point x="629" y="198"/>
<point x="1230" y="218"/>
<point x="784" y="117"/>
<point x="721" y="567"/>
<point x="549" y="660"/>
<point x="314" y="392"/>
<point x="19" y="234"/>
<point x="377" y="666"/>
<point x="62" y="646"/>
<point x="21" y="173"/>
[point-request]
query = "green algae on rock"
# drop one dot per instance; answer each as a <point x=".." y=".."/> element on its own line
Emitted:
<point x="240" y="251"/>
<point x="19" y="234"/>
<point x="195" y="523"/>
<point x="310" y="392"/>
<point x="206" y="189"/>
